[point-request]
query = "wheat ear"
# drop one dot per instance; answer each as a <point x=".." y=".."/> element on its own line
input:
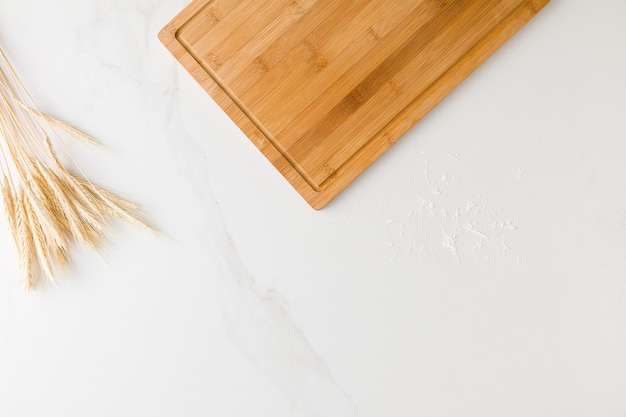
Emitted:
<point x="9" y="211"/>
<point x="59" y="124"/>
<point x="26" y="244"/>
<point x="40" y="241"/>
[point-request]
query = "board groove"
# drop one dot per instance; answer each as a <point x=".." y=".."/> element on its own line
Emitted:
<point x="249" y="115"/>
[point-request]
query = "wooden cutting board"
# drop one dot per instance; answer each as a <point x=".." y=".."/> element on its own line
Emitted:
<point x="324" y="87"/>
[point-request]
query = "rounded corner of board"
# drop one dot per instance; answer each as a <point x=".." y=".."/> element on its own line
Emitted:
<point x="167" y="34"/>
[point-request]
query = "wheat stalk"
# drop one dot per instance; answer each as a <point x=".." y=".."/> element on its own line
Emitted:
<point x="47" y="207"/>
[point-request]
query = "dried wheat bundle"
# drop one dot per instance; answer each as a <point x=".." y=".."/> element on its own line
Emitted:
<point x="47" y="207"/>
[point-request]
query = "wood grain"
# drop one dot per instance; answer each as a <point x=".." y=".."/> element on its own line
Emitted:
<point x="324" y="87"/>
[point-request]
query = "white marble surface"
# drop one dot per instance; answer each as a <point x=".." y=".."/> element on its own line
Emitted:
<point x="477" y="269"/>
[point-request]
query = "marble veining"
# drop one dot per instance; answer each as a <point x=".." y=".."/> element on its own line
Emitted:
<point x="255" y="321"/>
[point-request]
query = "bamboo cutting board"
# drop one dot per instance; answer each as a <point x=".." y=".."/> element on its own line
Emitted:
<point x="324" y="87"/>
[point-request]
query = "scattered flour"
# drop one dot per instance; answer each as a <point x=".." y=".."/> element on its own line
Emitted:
<point x="444" y="222"/>
<point x="449" y="242"/>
